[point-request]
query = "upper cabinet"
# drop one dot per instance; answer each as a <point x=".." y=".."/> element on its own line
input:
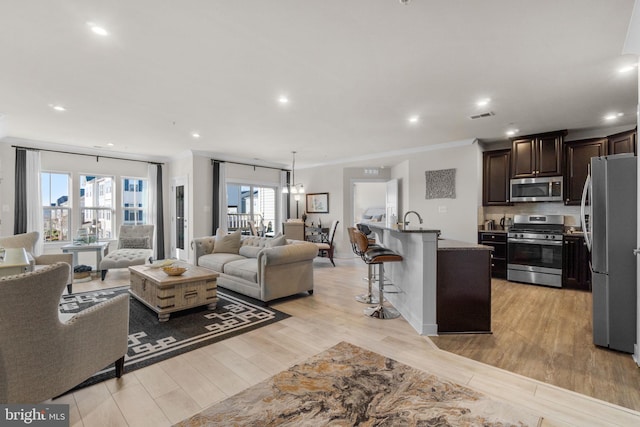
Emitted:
<point x="495" y="182"/>
<point x="537" y="155"/>
<point x="624" y="142"/>
<point x="578" y="156"/>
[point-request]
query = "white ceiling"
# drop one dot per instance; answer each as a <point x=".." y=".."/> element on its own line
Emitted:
<point x="354" y="70"/>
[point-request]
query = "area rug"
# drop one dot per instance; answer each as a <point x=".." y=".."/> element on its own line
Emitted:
<point x="348" y="386"/>
<point x="151" y="341"/>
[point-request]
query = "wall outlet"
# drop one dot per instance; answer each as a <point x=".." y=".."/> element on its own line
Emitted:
<point x="442" y="209"/>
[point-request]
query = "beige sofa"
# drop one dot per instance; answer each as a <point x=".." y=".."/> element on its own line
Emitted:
<point x="258" y="267"/>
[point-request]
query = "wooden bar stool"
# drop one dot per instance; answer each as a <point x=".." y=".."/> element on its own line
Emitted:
<point x="367" y="298"/>
<point x="377" y="256"/>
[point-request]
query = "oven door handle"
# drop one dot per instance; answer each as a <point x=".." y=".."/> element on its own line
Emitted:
<point x="537" y="242"/>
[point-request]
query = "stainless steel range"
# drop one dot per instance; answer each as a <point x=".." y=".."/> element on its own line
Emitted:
<point x="534" y="247"/>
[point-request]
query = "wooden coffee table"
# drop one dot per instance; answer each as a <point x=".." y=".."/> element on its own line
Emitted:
<point x="166" y="294"/>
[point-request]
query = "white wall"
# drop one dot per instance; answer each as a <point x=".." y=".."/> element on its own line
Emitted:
<point x="460" y="220"/>
<point x="455" y="218"/>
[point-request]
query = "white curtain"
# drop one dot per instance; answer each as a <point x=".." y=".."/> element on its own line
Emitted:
<point x="152" y="198"/>
<point x="282" y="208"/>
<point x="35" y="220"/>
<point x="222" y="191"/>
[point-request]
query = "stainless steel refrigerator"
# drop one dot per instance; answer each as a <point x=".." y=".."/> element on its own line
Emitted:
<point x="610" y="233"/>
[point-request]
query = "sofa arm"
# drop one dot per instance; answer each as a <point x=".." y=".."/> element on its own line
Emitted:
<point x="202" y="246"/>
<point x="287" y="254"/>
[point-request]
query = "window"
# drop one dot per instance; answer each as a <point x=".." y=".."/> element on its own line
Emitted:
<point x="56" y="206"/>
<point x="134" y="201"/>
<point x="251" y="202"/>
<point x="96" y="205"/>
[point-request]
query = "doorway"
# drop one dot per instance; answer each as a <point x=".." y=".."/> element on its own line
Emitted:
<point x="367" y="197"/>
<point x="179" y="218"/>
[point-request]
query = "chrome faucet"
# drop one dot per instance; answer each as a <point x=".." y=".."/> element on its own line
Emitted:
<point x="404" y="219"/>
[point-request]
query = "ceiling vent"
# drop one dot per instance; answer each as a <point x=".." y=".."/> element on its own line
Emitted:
<point x="480" y="116"/>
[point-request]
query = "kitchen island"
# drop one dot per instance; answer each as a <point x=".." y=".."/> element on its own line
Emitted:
<point x="417" y="278"/>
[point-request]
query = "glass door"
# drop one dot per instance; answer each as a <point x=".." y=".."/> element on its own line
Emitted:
<point x="251" y="202"/>
<point x="179" y="219"/>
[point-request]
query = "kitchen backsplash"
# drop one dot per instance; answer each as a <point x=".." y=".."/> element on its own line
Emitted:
<point x="571" y="213"/>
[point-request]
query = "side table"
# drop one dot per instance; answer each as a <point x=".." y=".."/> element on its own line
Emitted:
<point x="14" y="261"/>
<point x="101" y="249"/>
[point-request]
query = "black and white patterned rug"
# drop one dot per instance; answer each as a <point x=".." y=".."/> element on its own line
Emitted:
<point x="151" y="341"/>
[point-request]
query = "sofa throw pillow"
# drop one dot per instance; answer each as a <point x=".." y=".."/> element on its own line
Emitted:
<point x="278" y="240"/>
<point x="134" y="243"/>
<point x="227" y="243"/>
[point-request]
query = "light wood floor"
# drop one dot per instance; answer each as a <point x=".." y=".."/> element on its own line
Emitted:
<point x="546" y="334"/>
<point x="169" y="391"/>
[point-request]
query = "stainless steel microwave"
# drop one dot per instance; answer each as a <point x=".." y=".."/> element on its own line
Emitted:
<point x="548" y="189"/>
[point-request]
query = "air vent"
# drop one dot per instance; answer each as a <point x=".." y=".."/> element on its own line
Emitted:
<point x="480" y="116"/>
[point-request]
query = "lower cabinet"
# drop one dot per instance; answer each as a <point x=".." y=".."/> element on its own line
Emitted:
<point x="575" y="264"/>
<point x="498" y="241"/>
<point x="463" y="291"/>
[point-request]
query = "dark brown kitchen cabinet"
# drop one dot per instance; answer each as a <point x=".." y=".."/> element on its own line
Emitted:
<point x="575" y="264"/>
<point x="578" y="156"/>
<point x="496" y="170"/>
<point x="498" y="241"/>
<point x="463" y="291"/>
<point x="537" y="155"/>
<point x="624" y="142"/>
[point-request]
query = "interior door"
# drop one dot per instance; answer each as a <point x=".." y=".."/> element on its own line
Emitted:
<point x="179" y="219"/>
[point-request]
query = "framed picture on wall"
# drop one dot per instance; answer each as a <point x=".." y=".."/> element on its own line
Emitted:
<point x="317" y="203"/>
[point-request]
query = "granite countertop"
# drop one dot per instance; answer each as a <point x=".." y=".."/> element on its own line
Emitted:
<point x="457" y="245"/>
<point x="401" y="229"/>
<point x="480" y="229"/>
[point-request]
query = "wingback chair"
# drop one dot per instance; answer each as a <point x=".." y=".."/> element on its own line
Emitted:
<point x="135" y="247"/>
<point x="41" y="354"/>
<point x="28" y="242"/>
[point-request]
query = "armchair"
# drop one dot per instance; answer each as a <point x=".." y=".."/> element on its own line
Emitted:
<point x="28" y="242"/>
<point x="135" y="247"/>
<point x="42" y="355"/>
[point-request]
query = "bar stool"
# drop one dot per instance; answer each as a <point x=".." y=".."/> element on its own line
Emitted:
<point x="377" y="256"/>
<point x="372" y="243"/>
<point x="367" y="298"/>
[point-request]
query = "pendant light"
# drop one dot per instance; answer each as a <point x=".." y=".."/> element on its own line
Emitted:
<point x="293" y="188"/>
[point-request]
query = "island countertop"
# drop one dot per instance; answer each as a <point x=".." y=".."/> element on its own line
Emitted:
<point x="401" y="229"/>
<point x="457" y="245"/>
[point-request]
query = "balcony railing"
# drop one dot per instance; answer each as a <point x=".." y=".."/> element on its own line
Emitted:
<point x="240" y="221"/>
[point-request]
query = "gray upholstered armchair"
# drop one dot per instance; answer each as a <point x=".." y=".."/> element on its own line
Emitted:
<point x="42" y="355"/>
<point x="28" y="242"/>
<point x="135" y="247"/>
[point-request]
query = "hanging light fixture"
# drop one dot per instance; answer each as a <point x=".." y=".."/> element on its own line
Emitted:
<point x="292" y="187"/>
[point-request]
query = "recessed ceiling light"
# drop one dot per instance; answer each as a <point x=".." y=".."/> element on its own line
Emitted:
<point x="283" y="99"/>
<point x="483" y="102"/>
<point x="109" y="144"/>
<point x="628" y="68"/>
<point x="57" y="107"/>
<point x="613" y="116"/>
<point x="196" y="135"/>
<point x="414" y="119"/>
<point x="97" y="29"/>
<point x="512" y="132"/>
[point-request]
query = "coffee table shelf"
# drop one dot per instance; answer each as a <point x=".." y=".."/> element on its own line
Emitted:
<point x="166" y="294"/>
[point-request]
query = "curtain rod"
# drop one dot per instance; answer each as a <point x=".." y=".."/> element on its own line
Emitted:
<point x="249" y="164"/>
<point x="83" y="154"/>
